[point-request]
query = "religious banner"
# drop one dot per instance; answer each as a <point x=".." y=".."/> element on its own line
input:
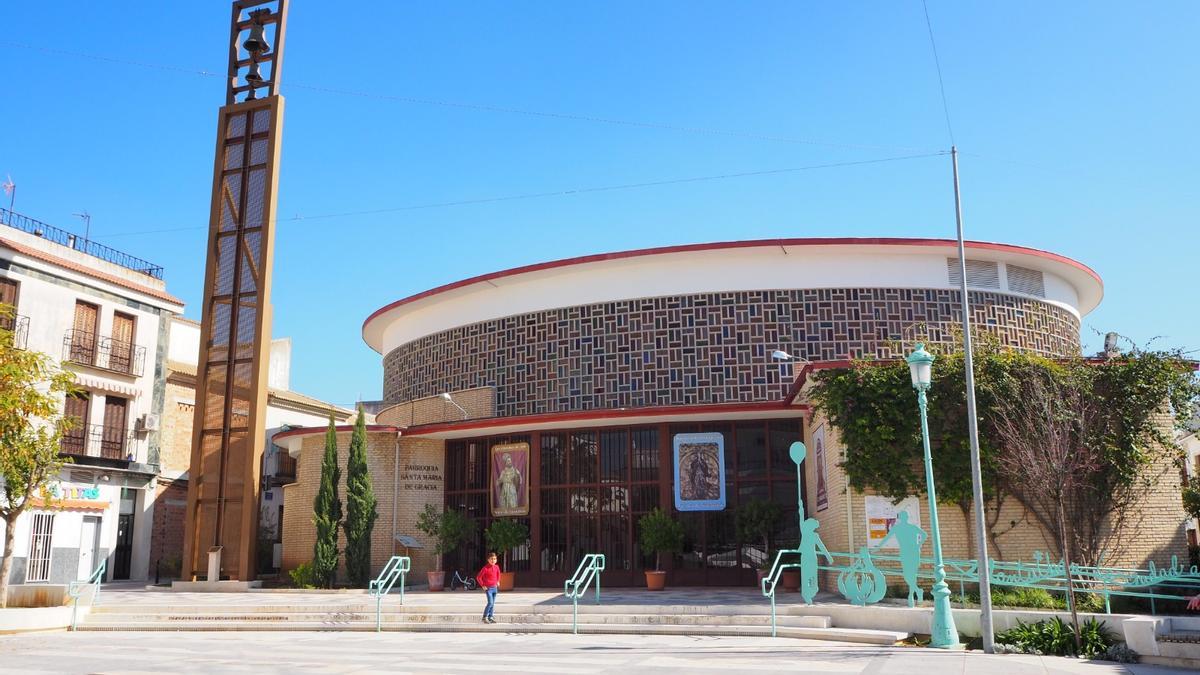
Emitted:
<point x="882" y="513"/>
<point x="700" y="472"/>
<point x="819" y="468"/>
<point x="510" y="479"/>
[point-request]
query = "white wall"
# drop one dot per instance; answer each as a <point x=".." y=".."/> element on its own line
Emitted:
<point x="721" y="269"/>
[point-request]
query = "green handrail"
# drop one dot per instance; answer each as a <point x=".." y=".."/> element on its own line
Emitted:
<point x="771" y="580"/>
<point x="588" y="571"/>
<point x="75" y="589"/>
<point x="397" y="567"/>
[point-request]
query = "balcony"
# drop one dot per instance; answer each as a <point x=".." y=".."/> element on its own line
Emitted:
<point x="98" y="440"/>
<point x="105" y="353"/>
<point x="19" y="325"/>
<point x="76" y="243"/>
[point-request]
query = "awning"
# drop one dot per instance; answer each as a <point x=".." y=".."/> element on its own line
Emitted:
<point x="106" y="386"/>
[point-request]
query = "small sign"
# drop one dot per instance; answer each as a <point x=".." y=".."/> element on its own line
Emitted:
<point x="819" y="469"/>
<point x="881" y="514"/>
<point x="699" y="472"/>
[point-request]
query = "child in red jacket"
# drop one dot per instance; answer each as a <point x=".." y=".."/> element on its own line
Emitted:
<point x="489" y="580"/>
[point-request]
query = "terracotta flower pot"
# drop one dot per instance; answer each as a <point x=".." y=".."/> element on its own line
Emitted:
<point x="437" y="580"/>
<point x="791" y="581"/>
<point x="507" y="579"/>
<point x="655" y="581"/>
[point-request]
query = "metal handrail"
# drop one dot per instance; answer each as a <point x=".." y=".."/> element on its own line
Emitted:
<point x="772" y="579"/>
<point x="588" y="571"/>
<point x="75" y="589"/>
<point x="75" y="242"/>
<point x="397" y="567"/>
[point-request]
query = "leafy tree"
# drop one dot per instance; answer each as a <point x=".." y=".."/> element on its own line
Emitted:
<point x="659" y="534"/>
<point x="361" y="510"/>
<point x="448" y="528"/>
<point x="327" y="513"/>
<point x="874" y="409"/>
<point x="505" y="534"/>
<point x="31" y="385"/>
<point x="758" y="520"/>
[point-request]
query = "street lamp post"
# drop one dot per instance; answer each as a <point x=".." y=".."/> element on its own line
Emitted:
<point x="943" y="634"/>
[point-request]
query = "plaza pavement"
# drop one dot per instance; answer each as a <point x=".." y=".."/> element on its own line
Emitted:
<point x="343" y="653"/>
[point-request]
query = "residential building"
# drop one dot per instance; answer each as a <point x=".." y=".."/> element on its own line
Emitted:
<point x="105" y="315"/>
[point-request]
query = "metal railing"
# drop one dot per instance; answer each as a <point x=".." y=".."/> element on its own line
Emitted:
<point x="19" y="326"/>
<point x="106" y="353"/>
<point x="77" y="243"/>
<point x="397" y="567"/>
<point x="98" y="440"/>
<point x="76" y="588"/>
<point x="771" y="580"/>
<point x="588" y="571"/>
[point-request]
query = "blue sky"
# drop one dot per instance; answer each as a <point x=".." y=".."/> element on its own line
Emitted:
<point x="1077" y="124"/>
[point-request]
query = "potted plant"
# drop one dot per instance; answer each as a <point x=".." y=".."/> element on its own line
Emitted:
<point x="503" y="535"/>
<point x="448" y="529"/>
<point x="757" y="520"/>
<point x="659" y="534"/>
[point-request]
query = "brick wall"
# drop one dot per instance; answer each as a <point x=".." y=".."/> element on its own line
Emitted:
<point x="170" y="510"/>
<point x="478" y="403"/>
<point x="299" y="533"/>
<point x="175" y="452"/>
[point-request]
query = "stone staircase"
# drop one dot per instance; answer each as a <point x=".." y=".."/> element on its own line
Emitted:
<point x="360" y="616"/>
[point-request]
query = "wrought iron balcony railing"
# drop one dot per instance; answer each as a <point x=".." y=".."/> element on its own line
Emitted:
<point x="106" y="353"/>
<point x="19" y="325"/>
<point x="78" y="243"/>
<point x="98" y="440"/>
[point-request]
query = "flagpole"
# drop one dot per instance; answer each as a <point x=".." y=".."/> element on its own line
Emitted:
<point x="985" y="585"/>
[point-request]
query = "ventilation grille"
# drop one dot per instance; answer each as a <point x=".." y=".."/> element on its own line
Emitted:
<point x="82" y="476"/>
<point x="980" y="273"/>
<point x="1027" y="281"/>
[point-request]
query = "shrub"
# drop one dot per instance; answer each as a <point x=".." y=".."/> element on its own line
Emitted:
<point x="659" y="534"/>
<point x="448" y="528"/>
<point x="1121" y="653"/>
<point x="1055" y="637"/>
<point x="505" y="534"/>
<point x="304" y="576"/>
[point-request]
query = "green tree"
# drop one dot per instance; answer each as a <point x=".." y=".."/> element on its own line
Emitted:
<point x="327" y="513"/>
<point x="361" y="507"/>
<point x="505" y="534"/>
<point x="659" y="534"/>
<point x="448" y="528"/>
<point x="31" y="385"/>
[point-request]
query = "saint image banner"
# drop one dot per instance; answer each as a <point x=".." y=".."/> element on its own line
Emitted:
<point x="819" y="462"/>
<point x="699" y="472"/>
<point x="510" y="479"/>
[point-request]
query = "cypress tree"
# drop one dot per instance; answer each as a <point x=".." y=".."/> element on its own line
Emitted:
<point x="327" y="513"/>
<point x="360" y="507"/>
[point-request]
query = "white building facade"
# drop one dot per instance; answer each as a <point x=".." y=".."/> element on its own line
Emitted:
<point x="104" y="315"/>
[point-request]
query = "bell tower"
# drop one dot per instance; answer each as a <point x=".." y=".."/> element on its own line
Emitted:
<point x="228" y="431"/>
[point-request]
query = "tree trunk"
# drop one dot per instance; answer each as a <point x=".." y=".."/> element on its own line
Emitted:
<point x="1066" y="553"/>
<point x="969" y="527"/>
<point x="10" y="535"/>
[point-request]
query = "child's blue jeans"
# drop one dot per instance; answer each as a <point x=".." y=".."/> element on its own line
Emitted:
<point x="491" y="601"/>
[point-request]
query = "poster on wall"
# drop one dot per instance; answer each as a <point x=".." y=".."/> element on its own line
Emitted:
<point x="881" y="515"/>
<point x="510" y="479"/>
<point x="819" y="462"/>
<point x="699" y="472"/>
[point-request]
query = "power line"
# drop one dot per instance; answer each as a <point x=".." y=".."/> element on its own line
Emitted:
<point x="483" y="107"/>
<point x="564" y="193"/>
<point x="938" y="64"/>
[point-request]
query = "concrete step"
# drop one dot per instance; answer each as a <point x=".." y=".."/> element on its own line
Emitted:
<point x="140" y="617"/>
<point x="860" y="636"/>
<point x="390" y="606"/>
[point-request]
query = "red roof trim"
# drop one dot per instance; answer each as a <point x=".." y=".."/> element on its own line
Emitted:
<point x="308" y="431"/>
<point x="684" y="248"/>
<point x="585" y="415"/>
<point x="808" y="369"/>
<point x="83" y="269"/>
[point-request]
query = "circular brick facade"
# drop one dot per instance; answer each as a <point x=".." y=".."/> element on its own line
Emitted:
<point x="698" y="348"/>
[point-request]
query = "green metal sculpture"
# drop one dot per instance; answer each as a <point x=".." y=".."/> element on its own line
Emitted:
<point x="862" y="583"/>
<point x="908" y="538"/>
<point x="810" y="543"/>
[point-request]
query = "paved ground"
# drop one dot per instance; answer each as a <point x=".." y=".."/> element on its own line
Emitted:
<point x="497" y="653"/>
